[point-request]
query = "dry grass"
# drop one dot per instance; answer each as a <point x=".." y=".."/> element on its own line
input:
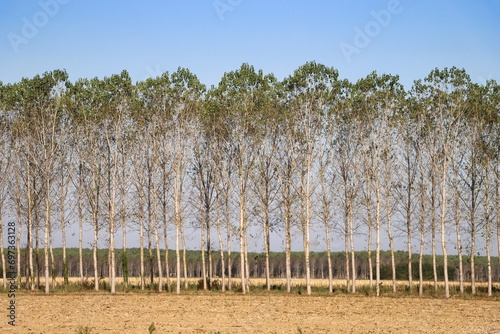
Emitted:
<point x="295" y="282"/>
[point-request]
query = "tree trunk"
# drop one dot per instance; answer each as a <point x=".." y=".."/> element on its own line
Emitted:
<point x="80" y="221"/>
<point x="150" y="224"/>
<point x="228" y="229"/>
<point x="423" y="188"/>
<point x="112" y="264"/>
<point x="38" y="270"/>
<point x="123" y="223"/>
<point x="165" y="241"/>
<point x="351" y="233"/>
<point x="31" y="273"/>
<point x="242" y="239"/>
<point x="140" y="212"/>
<point x="388" y="185"/>
<point x="203" y="260"/>
<point x="46" y="235"/>
<point x="473" y="245"/>
<point x="287" y="208"/>
<point x="221" y="246"/>
<point x="247" y="264"/>
<point x="487" y="223"/>
<point x="96" y="269"/>
<point x="17" y="198"/>
<point x="51" y="259"/>
<point x="346" y="243"/>
<point x="288" y="248"/>
<point x="443" y="227"/>
<point x="267" y="244"/>
<point x="157" y="237"/>
<point x="421" y="253"/>
<point x="433" y="229"/>
<point x="409" y="189"/>
<point x="184" y="257"/>
<point x="456" y="210"/>
<point x="63" y="227"/>
<point x="391" y="246"/>
<point x="370" y="241"/>
<point x="327" y="237"/>
<point x="209" y="243"/>
<point x="377" y="231"/>
<point x="497" y="203"/>
<point x="178" y="259"/>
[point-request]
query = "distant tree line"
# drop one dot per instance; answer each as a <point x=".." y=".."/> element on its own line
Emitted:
<point x="319" y="265"/>
<point x="356" y="160"/>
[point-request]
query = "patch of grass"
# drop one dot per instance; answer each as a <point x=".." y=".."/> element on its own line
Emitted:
<point x="365" y="289"/>
<point x="152" y="328"/>
<point x="84" y="330"/>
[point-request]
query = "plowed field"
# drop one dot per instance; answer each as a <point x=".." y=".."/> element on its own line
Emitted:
<point x="254" y="313"/>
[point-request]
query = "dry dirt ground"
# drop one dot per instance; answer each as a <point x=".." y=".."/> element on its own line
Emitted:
<point x="255" y="313"/>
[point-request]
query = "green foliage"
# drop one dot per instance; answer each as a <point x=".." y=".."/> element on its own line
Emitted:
<point x="65" y="272"/>
<point x="125" y="266"/>
<point x="84" y="330"/>
<point x="152" y="328"/>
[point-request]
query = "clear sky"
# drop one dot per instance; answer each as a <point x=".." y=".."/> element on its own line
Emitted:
<point x="99" y="38"/>
<point x="92" y="38"/>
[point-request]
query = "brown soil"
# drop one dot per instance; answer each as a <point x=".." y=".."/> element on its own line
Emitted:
<point x="235" y="313"/>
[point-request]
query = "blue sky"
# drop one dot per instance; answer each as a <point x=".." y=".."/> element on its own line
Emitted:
<point x="99" y="38"/>
<point x="92" y="38"/>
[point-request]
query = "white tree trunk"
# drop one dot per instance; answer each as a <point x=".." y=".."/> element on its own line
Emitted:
<point x="443" y="226"/>
<point x="94" y="252"/>
<point x="80" y="222"/>
<point x="456" y="210"/>
<point x="157" y="238"/>
<point x="221" y="246"/>
<point x="46" y="237"/>
<point x="497" y="203"/>
<point x="377" y="231"/>
<point x="242" y="231"/>
<point x="228" y="230"/>
<point x="353" y="258"/>
<point x="203" y="261"/>
<point x="433" y="229"/>
<point x="141" y="236"/>
<point x="184" y="257"/>
<point x="487" y="223"/>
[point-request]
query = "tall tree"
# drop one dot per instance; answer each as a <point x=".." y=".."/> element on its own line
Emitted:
<point x="238" y="97"/>
<point x="407" y="178"/>
<point x="5" y="159"/>
<point x="38" y="100"/>
<point x="446" y="91"/>
<point x="265" y="173"/>
<point x="309" y="91"/>
<point x="380" y="98"/>
<point x="184" y="103"/>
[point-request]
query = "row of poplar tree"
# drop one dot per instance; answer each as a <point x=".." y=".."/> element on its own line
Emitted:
<point x="353" y="160"/>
